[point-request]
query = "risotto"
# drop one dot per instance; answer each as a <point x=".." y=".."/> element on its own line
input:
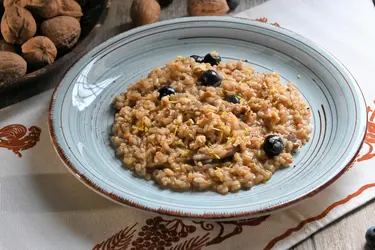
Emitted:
<point x="202" y="124"/>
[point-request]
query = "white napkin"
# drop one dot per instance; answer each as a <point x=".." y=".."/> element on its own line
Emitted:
<point x="42" y="206"/>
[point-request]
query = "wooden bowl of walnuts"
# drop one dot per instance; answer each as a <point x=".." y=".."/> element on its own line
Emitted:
<point x="39" y="36"/>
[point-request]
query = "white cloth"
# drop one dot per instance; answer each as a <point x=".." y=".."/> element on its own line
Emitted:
<point x="42" y="206"/>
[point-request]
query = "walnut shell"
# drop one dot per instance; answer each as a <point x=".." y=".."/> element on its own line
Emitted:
<point x="11" y="66"/>
<point x="4" y="46"/>
<point x="44" y="8"/>
<point x="9" y="3"/>
<point x="51" y="8"/>
<point x="70" y="8"/>
<point x="207" y="7"/>
<point x="39" y="51"/>
<point x="64" y="31"/>
<point x="17" y="25"/>
<point x="144" y="12"/>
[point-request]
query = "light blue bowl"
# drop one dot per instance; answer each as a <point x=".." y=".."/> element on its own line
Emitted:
<point x="81" y="115"/>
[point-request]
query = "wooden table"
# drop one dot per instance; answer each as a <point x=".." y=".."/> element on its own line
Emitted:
<point x="345" y="234"/>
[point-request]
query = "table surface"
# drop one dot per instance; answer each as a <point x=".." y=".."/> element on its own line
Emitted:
<point x="346" y="233"/>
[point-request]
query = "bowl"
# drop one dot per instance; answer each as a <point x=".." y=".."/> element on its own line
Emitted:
<point x="81" y="115"/>
<point x="94" y="15"/>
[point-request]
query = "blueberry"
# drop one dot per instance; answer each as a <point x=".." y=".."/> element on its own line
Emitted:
<point x="198" y="59"/>
<point x="273" y="145"/>
<point x="164" y="3"/>
<point x="370" y="236"/>
<point x="166" y="90"/>
<point x="232" y="4"/>
<point x="233" y="99"/>
<point x="211" y="78"/>
<point x="213" y="60"/>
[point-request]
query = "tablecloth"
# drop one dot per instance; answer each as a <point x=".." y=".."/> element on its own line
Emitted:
<point x="42" y="206"/>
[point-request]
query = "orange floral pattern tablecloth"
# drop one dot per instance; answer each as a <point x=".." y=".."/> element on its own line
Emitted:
<point x="42" y="206"/>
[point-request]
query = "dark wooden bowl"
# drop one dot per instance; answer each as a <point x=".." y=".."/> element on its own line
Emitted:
<point x="94" y="15"/>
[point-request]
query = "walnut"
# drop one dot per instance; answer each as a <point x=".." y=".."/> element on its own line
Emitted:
<point x="44" y="8"/>
<point x="70" y="8"/>
<point x="207" y="7"/>
<point x="11" y="66"/>
<point x="51" y="8"/>
<point x="144" y="12"/>
<point x="39" y="51"/>
<point x="4" y="46"/>
<point x="9" y="3"/>
<point x="17" y="25"/>
<point x="64" y="31"/>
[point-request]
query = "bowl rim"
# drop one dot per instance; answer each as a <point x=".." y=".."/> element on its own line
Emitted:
<point x="211" y="216"/>
<point x="73" y="54"/>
